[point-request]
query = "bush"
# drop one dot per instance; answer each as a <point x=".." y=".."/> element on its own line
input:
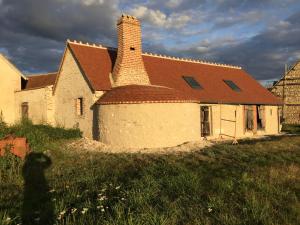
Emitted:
<point x="291" y="128"/>
<point x="3" y="129"/>
<point x="38" y="135"/>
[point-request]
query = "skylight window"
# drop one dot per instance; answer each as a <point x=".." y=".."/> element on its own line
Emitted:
<point x="232" y="85"/>
<point x="192" y="82"/>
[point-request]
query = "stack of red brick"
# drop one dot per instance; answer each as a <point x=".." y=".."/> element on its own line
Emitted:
<point x="16" y="145"/>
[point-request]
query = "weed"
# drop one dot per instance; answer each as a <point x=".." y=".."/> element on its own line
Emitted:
<point x="255" y="182"/>
<point x="291" y="128"/>
<point x="38" y="135"/>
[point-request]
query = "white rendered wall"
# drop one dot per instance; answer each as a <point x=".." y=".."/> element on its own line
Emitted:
<point x="149" y="125"/>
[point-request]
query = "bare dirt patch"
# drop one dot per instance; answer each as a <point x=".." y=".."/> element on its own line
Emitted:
<point x="88" y="145"/>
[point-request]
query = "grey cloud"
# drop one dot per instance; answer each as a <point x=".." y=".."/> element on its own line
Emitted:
<point x="30" y="53"/>
<point x="59" y="19"/>
<point x="263" y="55"/>
<point x="33" y="32"/>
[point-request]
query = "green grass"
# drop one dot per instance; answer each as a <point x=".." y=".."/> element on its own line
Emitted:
<point x="255" y="182"/>
<point x="291" y="128"/>
<point x="37" y="135"/>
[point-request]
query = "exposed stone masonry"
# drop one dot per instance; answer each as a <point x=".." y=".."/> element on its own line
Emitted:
<point x="129" y="67"/>
<point x="288" y="89"/>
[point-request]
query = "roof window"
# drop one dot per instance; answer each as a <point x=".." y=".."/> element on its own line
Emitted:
<point x="232" y="85"/>
<point x="192" y="82"/>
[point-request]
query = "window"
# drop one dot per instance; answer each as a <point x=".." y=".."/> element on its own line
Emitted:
<point x="79" y="106"/>
<point x="232" y="85"/>
<point x="205" y="121"/>
<point x="24" y="110"/>
<point x="132" y="48"/>
<point x="192" y="82"/>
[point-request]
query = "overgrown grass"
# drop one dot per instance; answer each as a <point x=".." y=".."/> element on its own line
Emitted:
<point x="255" y="182"/>
<point x="291" y="128"/>
<point x="38" y="135"/>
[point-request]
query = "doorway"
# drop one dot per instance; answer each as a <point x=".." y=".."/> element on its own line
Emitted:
<point x="249" y="120"/>
<point x="260" y="119"/>
<point x="24" y="110"/>
<point x="205" y="121"/>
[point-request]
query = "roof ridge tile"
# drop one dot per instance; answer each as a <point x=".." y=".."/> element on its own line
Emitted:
<point x="160" y="55"/>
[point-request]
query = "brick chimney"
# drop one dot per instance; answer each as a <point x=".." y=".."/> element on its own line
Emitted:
<point x="129" y="67"/>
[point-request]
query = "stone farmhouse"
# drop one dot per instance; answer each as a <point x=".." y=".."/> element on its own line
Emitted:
<point x="288" y="90"/>
<point x="124" y="97"/>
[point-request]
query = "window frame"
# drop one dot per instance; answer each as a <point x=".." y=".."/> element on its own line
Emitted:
<point x="232" y="85"/>
<point x="79" y="107"/>
<point x="190" y="80"/>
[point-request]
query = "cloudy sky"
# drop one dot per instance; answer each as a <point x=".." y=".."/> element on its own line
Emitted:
<point x="259" y="35"/>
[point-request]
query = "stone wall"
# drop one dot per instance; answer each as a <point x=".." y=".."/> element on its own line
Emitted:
<point x="40" y="105"/>
<point x="71" y="85"/>
<point x="288" y="89"/>
<point x="149" y="125"/>
<point x="169" y="124"/>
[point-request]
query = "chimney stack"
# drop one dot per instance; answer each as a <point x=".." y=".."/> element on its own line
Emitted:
<point x="129" y="67"/>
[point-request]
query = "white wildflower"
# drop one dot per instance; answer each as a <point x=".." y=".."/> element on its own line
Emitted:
<point x="84" y="210"/>
<point x="209" y="209"/>
<point x="118" y="187"/>
<point x="102" y="198"/>
<point x="52" y="190"/>
<point x="102" y="210"/>
<point x="73" y="210"/>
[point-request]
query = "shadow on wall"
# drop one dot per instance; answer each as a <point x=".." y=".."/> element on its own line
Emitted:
<point x="37" y="203"/>
<point x="96" y="131"/>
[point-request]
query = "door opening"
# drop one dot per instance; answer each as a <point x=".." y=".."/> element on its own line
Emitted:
<point x="24" y="110"/>
<point x="249" y="122"/>
<point x="205" y="121"/>
<point x="260" y="111"/>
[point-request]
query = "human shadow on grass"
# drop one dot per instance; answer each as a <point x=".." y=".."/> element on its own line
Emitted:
<point x="37" y="203"/>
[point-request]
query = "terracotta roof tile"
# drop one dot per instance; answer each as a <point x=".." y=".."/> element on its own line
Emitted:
<point x="97" y="63"/>
<point x="143" y="93"/>
<point x="41" y="80"/>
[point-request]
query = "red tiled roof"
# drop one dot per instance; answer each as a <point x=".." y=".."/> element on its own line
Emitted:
<point x="142" y="94"/>
<point x="41" y="80"/>
<point x="97" y="63"/>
